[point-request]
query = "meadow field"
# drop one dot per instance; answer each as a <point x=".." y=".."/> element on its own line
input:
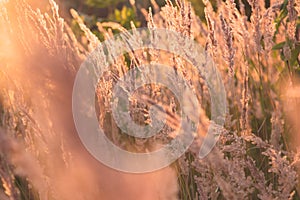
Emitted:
<point x="236" y="114"/>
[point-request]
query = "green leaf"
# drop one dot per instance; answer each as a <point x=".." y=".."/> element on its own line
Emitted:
<point x="294" y="55"/>
<point x="278" y="46"/>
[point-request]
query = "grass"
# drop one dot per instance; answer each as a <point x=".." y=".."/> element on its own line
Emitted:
<point x="257" y="55"/>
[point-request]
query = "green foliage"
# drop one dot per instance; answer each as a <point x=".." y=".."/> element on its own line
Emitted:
<point x="294" y="46"/>
<point x="124" y="17"/>
<point x="198" y="6"/>
<point x="103" y="3"/>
